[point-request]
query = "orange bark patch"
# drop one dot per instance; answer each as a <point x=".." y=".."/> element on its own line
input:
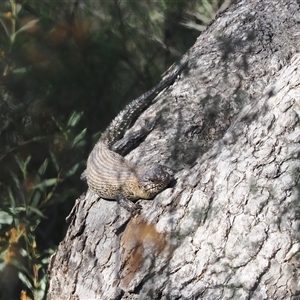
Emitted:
<point x="139" y="241"/>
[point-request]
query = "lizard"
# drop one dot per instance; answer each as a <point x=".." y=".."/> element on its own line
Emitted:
<point x="109" y="174"/>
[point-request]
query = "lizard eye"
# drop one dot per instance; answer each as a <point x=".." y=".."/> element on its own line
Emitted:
<point x="154" y="179"/>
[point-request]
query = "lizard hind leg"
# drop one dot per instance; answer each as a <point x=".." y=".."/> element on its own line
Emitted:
<point x="129" y="205"/>
<point x="131" y="141"/>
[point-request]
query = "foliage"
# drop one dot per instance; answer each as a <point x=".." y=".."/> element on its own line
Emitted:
<point x="66" y="70"/>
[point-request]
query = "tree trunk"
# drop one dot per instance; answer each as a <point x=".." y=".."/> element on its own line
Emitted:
<point x="230" y="227"/>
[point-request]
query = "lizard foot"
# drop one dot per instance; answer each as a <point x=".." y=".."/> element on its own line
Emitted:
<point x="129" y="206"/>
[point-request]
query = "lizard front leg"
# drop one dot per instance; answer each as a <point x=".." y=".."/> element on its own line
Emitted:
<point x="128" y="205"/>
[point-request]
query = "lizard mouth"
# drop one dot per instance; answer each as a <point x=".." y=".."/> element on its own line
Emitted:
<point x="153" y="189"/>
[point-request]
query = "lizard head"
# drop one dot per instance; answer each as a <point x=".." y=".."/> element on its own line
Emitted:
<point x="153" y="180"/>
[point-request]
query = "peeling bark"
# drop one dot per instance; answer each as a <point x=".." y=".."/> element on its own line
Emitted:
<point x="229" y="127"/>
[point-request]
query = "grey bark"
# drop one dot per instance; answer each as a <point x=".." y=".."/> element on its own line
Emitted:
<point x="229" y="127"/>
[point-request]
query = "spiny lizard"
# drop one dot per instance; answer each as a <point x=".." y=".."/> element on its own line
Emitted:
<point x="109" y="174"/>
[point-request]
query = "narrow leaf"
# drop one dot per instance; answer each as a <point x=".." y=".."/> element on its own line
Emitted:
<point x="73" y="170"/>
<point x="4" y="20"/>
<point x="5" y="218"/>
<point x="37" y="211"/>
<point x="79" y="139"/>
<point x="36" y="199"/>
<point x="46" y="183"/>
<point x="74" y="119"/>
<point x="27" y="26"/>
<point x="24" y="279"/>
<point x="12" y="199"/>
<point x="43" y="167"/>
<point x="2" y="266"/>
<point x="54" y="160"/>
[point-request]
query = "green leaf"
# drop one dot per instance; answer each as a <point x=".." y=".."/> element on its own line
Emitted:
<point x="18" y="7"/>
<point x="19" y="264"/>
<point x="46" y="183"/>
<point x="28" y="25"/>
<point x="39" y="294"/>
<point x="73" y="170"/>
<point x="2" y="266"/>
<point x="17" y="210"/>
<point x="24" y="253"/>
<point x="47" y="253"/>
<point x="78" y="140"/>
<point x="16" y="180"/>
<point x="74" y="119"/>
<point x="27" y="160"/>
<point x="20" y="70"/>
<point x="25" y="280"/>
<point x="60" y="126"/>
<point x="23" y="164"/>
<point x="2" y="20"/>
<point x="37" y="211"/>
<point x="43" y="167"/>
<point x="36" y="199"/>
<point x="54" y="160"/>
<point x="5" y="218"/>
<point x="12" y="199"/>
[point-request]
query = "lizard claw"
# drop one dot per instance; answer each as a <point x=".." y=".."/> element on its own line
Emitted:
<point x="129" y="206"/>
<point x="138" y="208"/>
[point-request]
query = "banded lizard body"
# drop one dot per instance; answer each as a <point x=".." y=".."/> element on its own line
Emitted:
<point x="109" y="174"/>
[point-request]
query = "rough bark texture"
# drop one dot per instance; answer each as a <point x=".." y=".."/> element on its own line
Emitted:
<point x="230" y="227"/>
